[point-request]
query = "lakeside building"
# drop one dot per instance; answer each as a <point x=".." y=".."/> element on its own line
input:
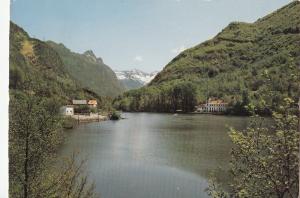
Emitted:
<point x="84" y="106"/>
<point x="78" y="107"/>
<point x="67" y="110"/>
<point x="79" y="102"/>
<point x="213" y="105"/>
<point x="92" y="103"/>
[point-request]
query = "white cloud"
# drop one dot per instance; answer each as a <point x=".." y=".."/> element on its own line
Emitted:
<point x="138" y="59"/>
<point x="178" y="50"/>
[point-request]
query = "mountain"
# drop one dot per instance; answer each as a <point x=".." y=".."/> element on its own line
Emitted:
<point x="245" y="64"/>
<point x="36" y="68"/>
<point x="133" y="79"/>
<point x="89" y="71"/>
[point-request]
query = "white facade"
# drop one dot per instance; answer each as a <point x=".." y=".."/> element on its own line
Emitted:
<point x="213" y="106"/>
<point x="67" y="110"/>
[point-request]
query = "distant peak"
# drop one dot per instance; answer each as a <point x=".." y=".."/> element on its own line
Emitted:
<point x="136" y="75"/>
<point x="90" y="53"/>
<point x="99" y="60"/>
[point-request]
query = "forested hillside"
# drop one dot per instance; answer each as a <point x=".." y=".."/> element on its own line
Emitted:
<point x="89" y="71"/>
<point x="246" y="64"/>
<point x="36" y="68"/>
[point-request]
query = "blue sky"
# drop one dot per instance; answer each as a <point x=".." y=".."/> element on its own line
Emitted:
<point x="127" y="34"/>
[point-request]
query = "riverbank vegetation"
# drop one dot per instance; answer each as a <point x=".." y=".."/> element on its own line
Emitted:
<point x="181" y="95"/>
<point x="115" y="116"/>
<point x="264" y="160"/>
<point x="69" y="122"/>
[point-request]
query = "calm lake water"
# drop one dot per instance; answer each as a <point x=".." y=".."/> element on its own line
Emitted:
<point x="150" y="155"/>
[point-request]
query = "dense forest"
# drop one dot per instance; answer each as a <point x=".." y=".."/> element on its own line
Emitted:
<point x="247" y="65"/>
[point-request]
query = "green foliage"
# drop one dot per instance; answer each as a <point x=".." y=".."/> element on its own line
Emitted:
<point x="68" y="122"/>
<point x="93" y="110"/>
<point x="115" y="115"/>
<point x="258" y="60"/>
<point x="264" y="159"/>
<point x="215" y="190"/>
<point x="82" y="109"/>
<point x="34" y="134"/>
<point x="167" y="98"/>
<point x="106" y="105"/>
<point x="40" y="70"/>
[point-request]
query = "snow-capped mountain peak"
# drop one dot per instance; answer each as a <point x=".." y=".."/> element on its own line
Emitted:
<point x="136" y="75"/>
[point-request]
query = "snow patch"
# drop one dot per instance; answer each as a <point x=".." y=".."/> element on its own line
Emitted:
<point x="136" y="75"/>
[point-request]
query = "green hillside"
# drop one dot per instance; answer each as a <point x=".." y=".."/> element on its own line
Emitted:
<point x="131" y="84"/>
<point x="36" y="68"/>
<point x="246" y="63"/>
<point x="89" y="71"/>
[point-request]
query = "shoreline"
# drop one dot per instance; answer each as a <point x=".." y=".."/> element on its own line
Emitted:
<point x="201" y="113"/>
<point x="93" y="117"/>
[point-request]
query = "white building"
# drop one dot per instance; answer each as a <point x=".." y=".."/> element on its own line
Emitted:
<point x="79" y="102"/>
<point x="213" y="106"/>
<point x="67" y="110"/>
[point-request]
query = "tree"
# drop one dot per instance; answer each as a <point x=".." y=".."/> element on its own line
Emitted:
<point x="69" y="182"/>
<point x="264" y="160"/>
<point x="34" y="136"/>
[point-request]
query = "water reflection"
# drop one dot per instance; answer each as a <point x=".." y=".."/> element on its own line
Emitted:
<point x="154" y="155"/>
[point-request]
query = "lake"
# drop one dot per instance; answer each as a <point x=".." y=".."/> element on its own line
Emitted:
<point x="149" y="155"/>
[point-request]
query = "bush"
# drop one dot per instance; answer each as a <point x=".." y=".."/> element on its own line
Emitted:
<point x="264" y="159"/>
<point x="115" y="115"/>
<point x="94" y="110"/>
<point x="69" y="123"/>
<point x="82" y="109"/>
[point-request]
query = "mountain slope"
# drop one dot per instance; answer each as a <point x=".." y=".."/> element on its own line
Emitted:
<point x="36" y="68"/>
<point x="89" y="71"/>
<point x="133" y="79"/>
<point x="246" y="63"/>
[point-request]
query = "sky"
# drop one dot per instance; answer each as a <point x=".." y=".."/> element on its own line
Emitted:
<point x="128" y="34"/>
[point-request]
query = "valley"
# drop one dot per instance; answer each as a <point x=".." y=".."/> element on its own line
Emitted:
<point x="78" y="128"/>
